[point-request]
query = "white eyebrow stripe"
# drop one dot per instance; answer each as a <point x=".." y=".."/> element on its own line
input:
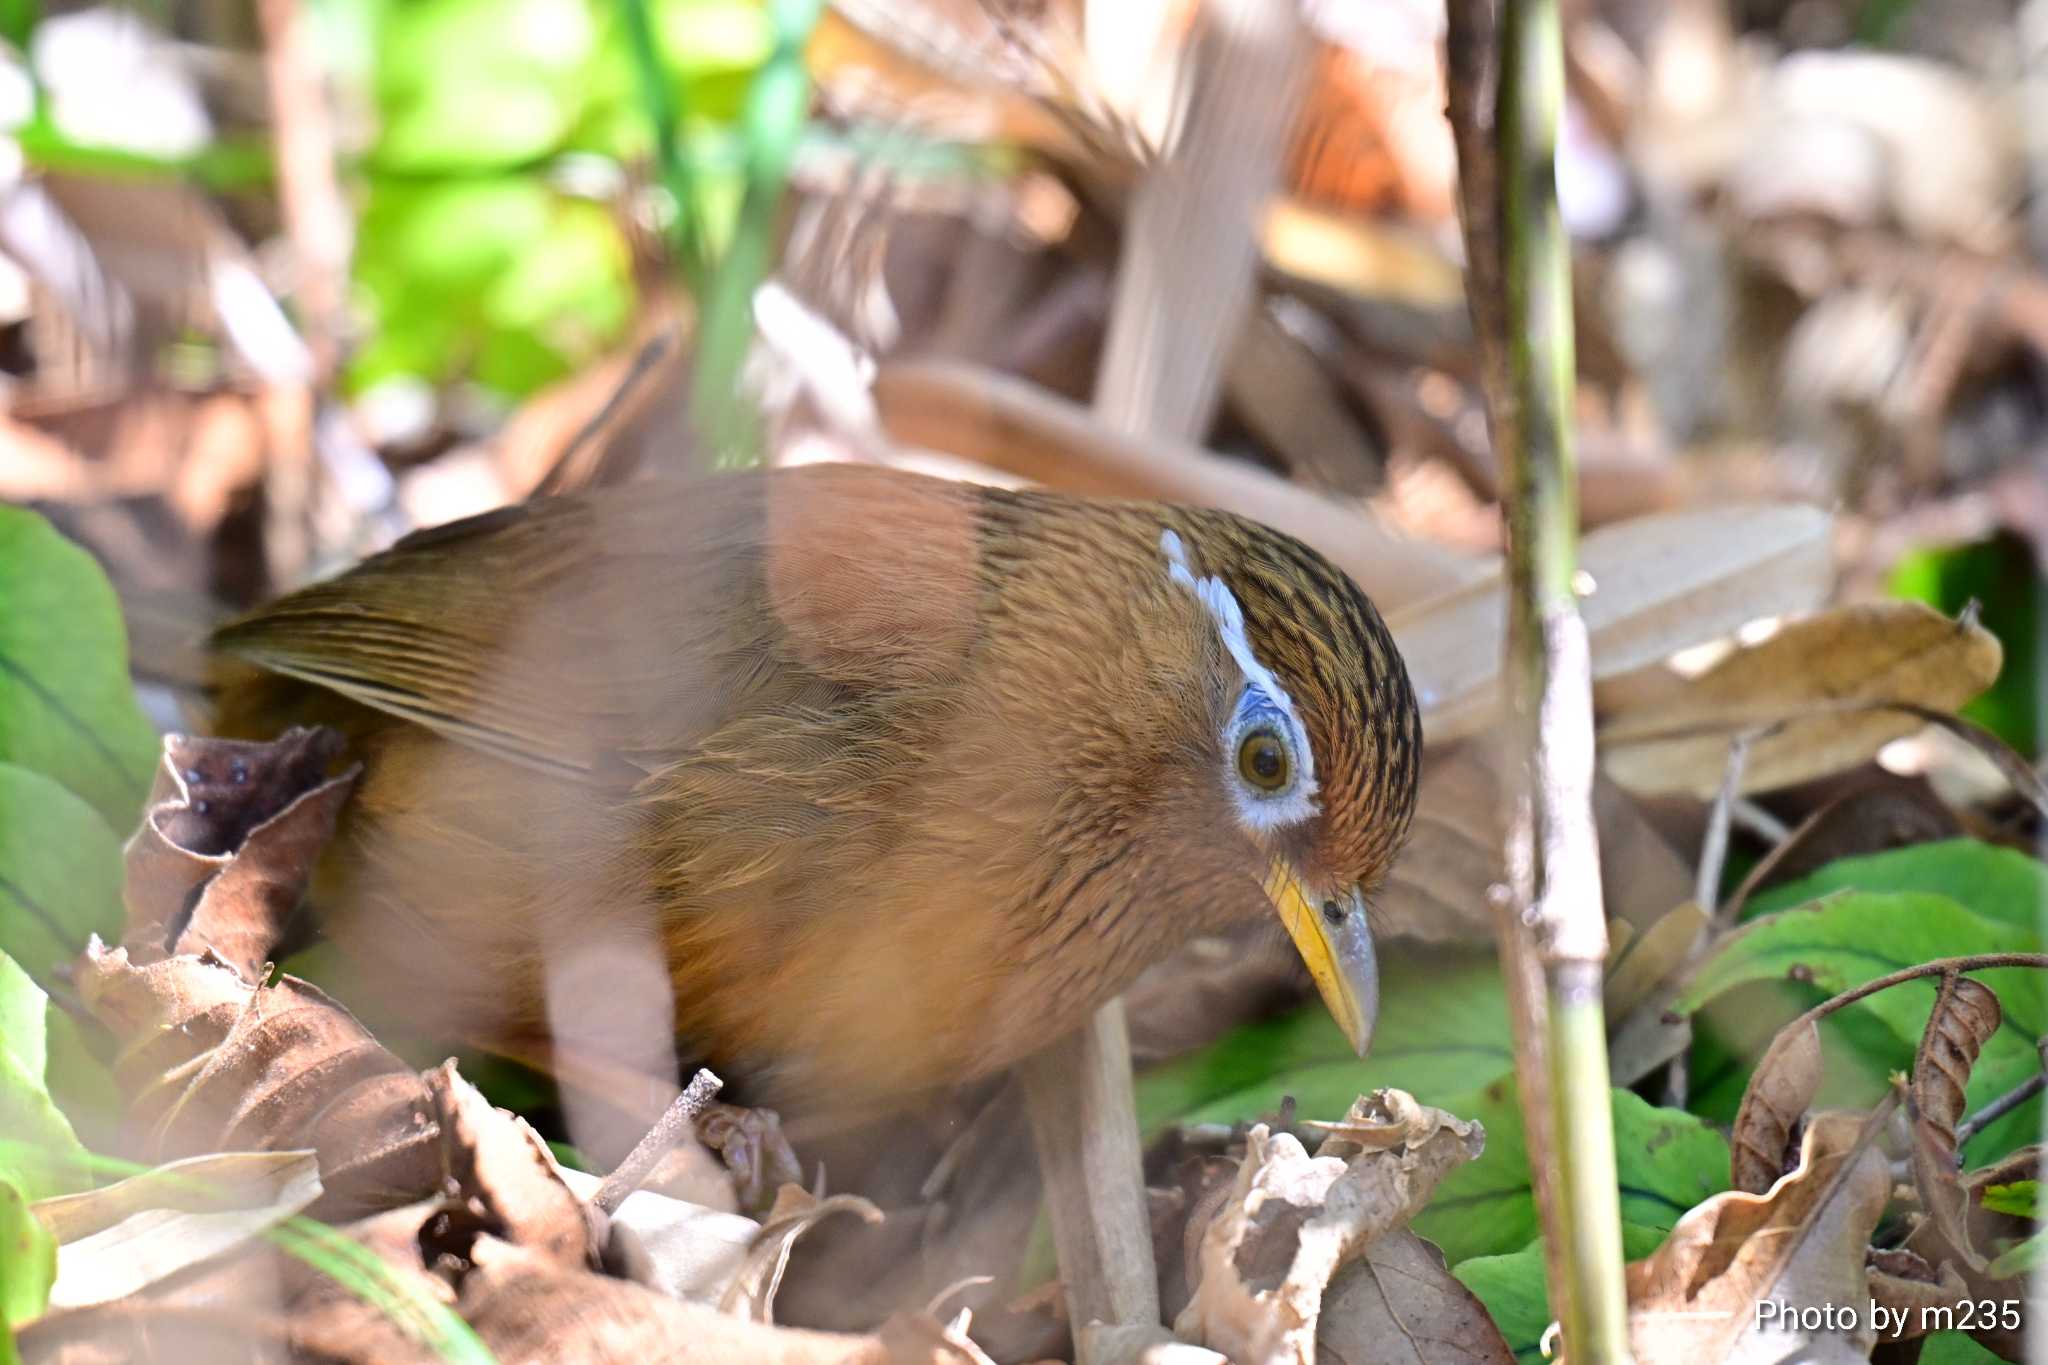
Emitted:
<point x="1221" y="604"/>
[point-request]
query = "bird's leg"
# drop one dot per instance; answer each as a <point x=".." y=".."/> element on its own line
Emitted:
<point x="1078" y="1092"/>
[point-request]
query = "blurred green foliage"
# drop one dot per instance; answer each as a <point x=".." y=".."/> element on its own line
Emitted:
<point x="475" y="257"/>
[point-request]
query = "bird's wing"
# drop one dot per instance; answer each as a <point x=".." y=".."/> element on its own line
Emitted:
<point x="566" y="633"/>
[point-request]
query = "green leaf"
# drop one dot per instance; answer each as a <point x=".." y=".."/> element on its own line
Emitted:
<point x="1804" y="955"/>
<point x="67" y="707"/>
<point x="42" y="1156"/>
<point x="499" y="279"/>
<point x="60" y="872"/>
<point x="28" y="1260"/>
<point x="2021" y="1198"/>
<point x="2002" y="578"/>
<point x="2022" y="1258"/>
<point x="1512" y="1286"/>
<point x="1956" y="1348"/>
<point x="1667" y="1161"/>
<point x="1443" y="1032"/>
<point x="1997" y="883"/>
<point x="468" y="85"/>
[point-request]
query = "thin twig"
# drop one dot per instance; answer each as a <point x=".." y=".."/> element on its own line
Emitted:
<point x="1714" y="848"/>
<point x="1759" y="821"/>
<point x="676" y="1122"/>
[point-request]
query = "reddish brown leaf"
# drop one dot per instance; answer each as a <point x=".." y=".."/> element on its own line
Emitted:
<point x="212" y="1063"/>
<point x="1763" y="1143"/>
<point x="1966" y="1013"/>
<point x="1906" y="1287"/>
<point x="227" y="843"/>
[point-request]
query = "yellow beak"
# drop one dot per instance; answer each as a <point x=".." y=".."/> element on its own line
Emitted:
<point x="1336" y="944"/>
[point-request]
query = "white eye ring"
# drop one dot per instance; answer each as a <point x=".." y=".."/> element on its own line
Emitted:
<point x="1264" y="704"/>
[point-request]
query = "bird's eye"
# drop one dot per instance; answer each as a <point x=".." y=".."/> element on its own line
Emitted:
<point x="1262" y="760"/>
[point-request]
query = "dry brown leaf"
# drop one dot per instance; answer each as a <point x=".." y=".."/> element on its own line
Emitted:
<point x="123" y="1237"/>
<point x="1985" y="1227"/>
<point x="1966" y="1014"/>
<point x="1653" y="957"/>
<point x="1140" y="1344"/>
<point x="210" y="1062"/>
<point x="1780" y="1090"/>
<point x="1906" y="1287"/>
<point x="1665" y="733"/>
<point x="226" y="845"/>
<point x="1800" y="1245"/>
<point x="1659" y="584"/>
<point x="506" y="1173"/>
<point x="527" y="1308"/>
<point x="1292" y="1220"/>
<point x="1398" y="1304"/>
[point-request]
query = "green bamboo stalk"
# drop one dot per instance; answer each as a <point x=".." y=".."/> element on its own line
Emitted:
<point x="1553" y="932"/>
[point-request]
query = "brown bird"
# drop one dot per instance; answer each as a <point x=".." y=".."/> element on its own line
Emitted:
<point x="900" y="777"/>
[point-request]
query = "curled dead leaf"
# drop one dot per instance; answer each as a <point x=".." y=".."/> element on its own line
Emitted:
<point x="507" y="1177"/>
<point x="209" y="1062"/>
<point x="1910" y="1291"/>
<point x="1761" y="1145"/>
<point x="1799" y="1245"/>
<point x="226" y="845"/>
<point x="1290" y="1221"/>
<point x="1966" y="1014"/>
<point x="752" y="1293"/>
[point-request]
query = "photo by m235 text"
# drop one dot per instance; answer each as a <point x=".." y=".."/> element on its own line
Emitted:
<point x="1966" y="1316"/>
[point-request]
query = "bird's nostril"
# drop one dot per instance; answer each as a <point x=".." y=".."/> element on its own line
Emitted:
<point x="1333" y="912"/>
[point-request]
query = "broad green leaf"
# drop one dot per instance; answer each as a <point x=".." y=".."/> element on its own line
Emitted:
<point x="467" y="85"/>
<point x="2022" y="1198"/>
<point x="498" y="279"/>
<point x="1443" y="1032"/>
<point x="42" y="1156"/>
<point x="1795" y="958"/>
<point x="1956" y="1348"/>
<point x="67" y="707"/>
<point x="60" y="872"/>
<point x="1512" y="1286"/>
<point x="1667" y="1161"/>
<point x="2022" y="1259"/>
<point x="1997" y="883"/>
<point x="2003" y="581"/>
<point x="28" y="1261"/>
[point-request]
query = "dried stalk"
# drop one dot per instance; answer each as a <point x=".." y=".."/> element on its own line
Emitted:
<point x="678" y="1121"/>
<point x="1506" y="95"/>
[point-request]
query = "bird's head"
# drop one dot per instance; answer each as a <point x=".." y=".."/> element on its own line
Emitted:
<point x="1317" y="740"/>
